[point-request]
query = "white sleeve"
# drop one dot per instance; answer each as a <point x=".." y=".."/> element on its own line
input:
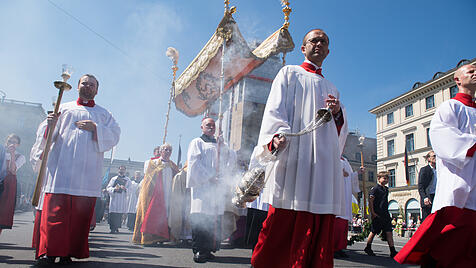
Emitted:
<point x="38" y="147"/>
<point x="20" y="161"/>
<point x="108" y="133"/>
<point x="110" y="188"/>
<point x="355" y="182"/>
<point x="448" y="141"/>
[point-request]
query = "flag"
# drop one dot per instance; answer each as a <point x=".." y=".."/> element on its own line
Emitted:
<point x="355" y="205"/>
<point x="405" y="162"/>
<point x="105" y="179"/>
<point x="179" y="156"/>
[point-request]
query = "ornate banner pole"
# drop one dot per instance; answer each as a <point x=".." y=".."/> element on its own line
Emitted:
<point x="173" y="54"/>
<point x="226" y="35"/>
<point x="286" y="10"/>
<point x="61" y="86"/>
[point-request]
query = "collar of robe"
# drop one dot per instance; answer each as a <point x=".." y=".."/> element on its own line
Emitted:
<point x="89" y="103"/>
<point x="465" y="99"/>
<point x="206" y="138"/>
<point x="311" y="68"/>
<point x="153" y="158"/>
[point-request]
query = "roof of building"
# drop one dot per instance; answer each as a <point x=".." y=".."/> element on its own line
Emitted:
<point x="437" y="77"/>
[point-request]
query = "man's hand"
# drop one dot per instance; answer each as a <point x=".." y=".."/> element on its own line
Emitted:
<point x="87" y="125"/>
<point x="333" y="103"/>
<point x="11" y="149"/>
<point x="346" y="174"/>
<point x="52" y="118"/>
<point x="361" y="170"/>
<point x="279" y="143"/>
<point x="427" y="201"/>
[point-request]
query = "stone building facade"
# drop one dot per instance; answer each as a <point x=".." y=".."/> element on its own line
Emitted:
<point x="23" y="119"/>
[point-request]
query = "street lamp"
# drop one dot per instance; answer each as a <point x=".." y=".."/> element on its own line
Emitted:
<point x="364" y="189"/>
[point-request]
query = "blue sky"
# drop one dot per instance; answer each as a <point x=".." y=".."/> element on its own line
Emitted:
<point x="379" y="49"/>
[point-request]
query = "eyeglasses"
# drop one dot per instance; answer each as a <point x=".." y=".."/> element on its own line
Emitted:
<point x="10" y="142"/>
<point x="167" y="150"/>
<point x="316" y="40"/>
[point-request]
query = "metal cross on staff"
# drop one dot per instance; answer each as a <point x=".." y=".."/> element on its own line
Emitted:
<point x="61" y="86"/>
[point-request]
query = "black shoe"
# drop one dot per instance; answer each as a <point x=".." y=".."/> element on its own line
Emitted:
<point x="210" y="256"/>
<point x="153" y="245"/>
<point x="369" y="251"/>
<point x="340" y="254"/>
<point x="200" y="257"/>
<point x="45" y="261"/>
<point x="393" y="253"/>
<point x="65" y="261"/>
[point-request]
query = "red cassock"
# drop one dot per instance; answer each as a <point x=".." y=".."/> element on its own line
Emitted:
<point x="295" y="239"/>
<point x="341" y="228"/>
<point x="64" y="228"/>
<point x="155" y="220"/>
<point x="35" y="241"/>
<point x="447" y="235"/>
<point x="7" y="201"/>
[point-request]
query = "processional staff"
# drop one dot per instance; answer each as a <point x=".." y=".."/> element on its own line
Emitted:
<point x="364" y="190"/>
<point x="173" y="55"/>
<point x="61" y="86"/>
<point x="225" y="34"/>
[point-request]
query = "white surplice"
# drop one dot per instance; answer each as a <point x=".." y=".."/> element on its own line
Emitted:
<point x="75" y="160"/>
<point x="208" y="198"/>
<point x="119" y="200"/>
<point x="133" y="196"/>
<point x="306" y="175"/>
<point x="452" y="133"/>
<point x="351" y="186"/>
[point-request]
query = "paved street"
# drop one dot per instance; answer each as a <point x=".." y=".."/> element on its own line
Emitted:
<point x="115" y="250"/>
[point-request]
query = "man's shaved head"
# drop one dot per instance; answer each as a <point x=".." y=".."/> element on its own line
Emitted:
<point x="465" y="79"/>
<point x="304" y="39"/>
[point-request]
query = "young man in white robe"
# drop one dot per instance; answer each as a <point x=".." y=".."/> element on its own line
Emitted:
<point x="341" y="227"/>
<point x="208" y="186"/>
<point x="83" y="132"/>
<point x="118" y="189"/>
<point x="305" y="186"/>
<point x="447" y="236"/>
<point x="132" y="197"/>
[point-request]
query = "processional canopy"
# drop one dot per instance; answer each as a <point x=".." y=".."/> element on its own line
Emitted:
<point x="199" y="84"/>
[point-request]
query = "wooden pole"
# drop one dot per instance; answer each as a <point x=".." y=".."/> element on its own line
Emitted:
<point x="44" y="159"/>
<point x="364" y="190"/>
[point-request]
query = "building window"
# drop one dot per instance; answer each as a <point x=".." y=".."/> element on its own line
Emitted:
<point x="371" y="176"/>
<point x="412" y="175"/>
<point x="360" y="176"/>
<point x="409" y="110"/>
<point x="357" y="156"/>
<point x="373" y="158"/>
<point x="390" y="147"/>
<point x="430" y="102"/>
<point x="428" y="142"/>
<point x="453" y="91"/>
<point x="409" y="142"/>
<point x="391" y="178"/>
<point x="390" y="118"/>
